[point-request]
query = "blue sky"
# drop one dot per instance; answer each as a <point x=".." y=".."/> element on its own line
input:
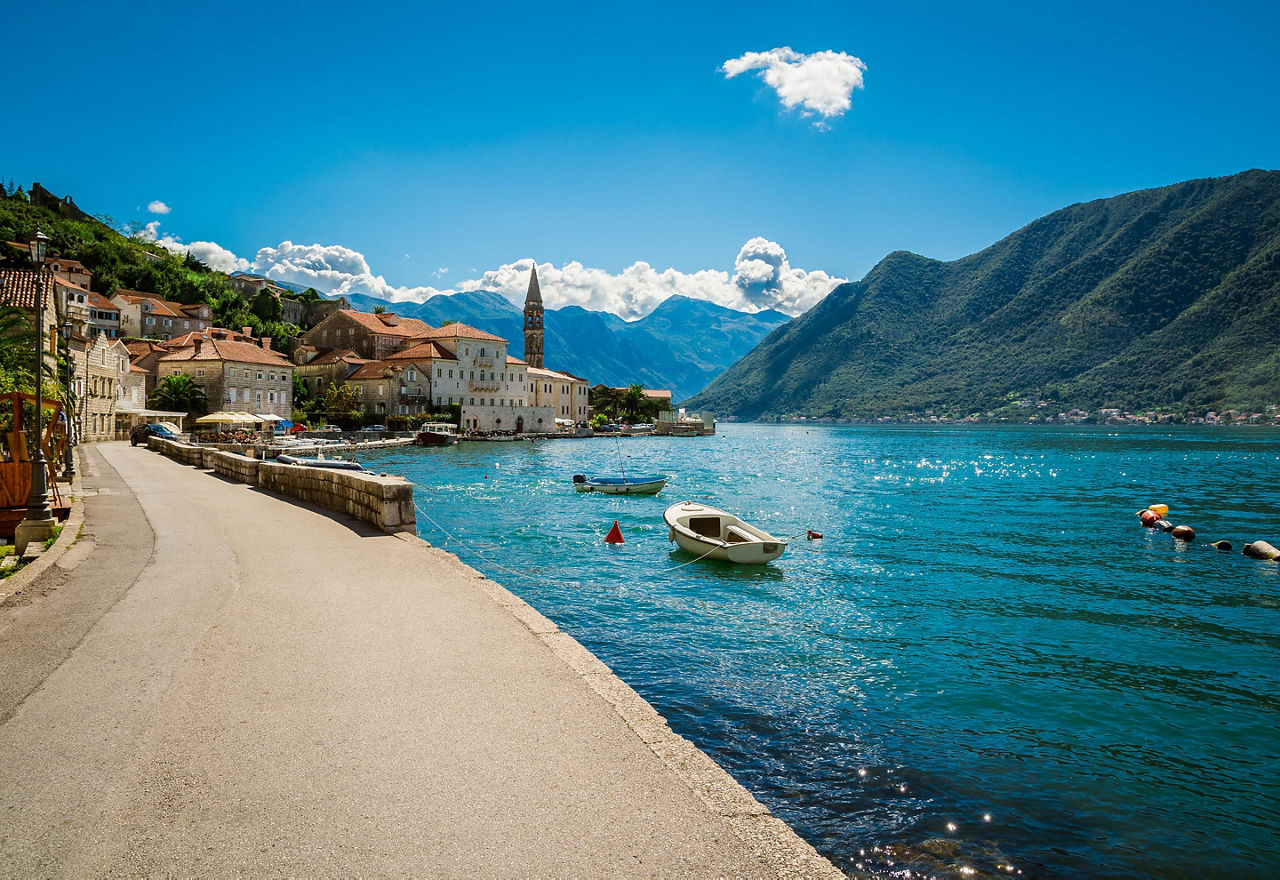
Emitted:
<point x="408" y="139"/>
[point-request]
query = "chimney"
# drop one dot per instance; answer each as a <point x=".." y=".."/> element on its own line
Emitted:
<point x="247" y="331"/>
<point x="266" y="343"/>
<point x="199" y="342"/>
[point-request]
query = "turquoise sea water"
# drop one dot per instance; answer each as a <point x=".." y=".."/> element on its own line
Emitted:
<point x="986" y="665"/>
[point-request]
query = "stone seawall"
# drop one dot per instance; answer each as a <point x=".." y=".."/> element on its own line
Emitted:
<point x="387" y="502"/>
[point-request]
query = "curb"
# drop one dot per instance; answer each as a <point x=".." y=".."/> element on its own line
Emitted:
<point x="70" y="532"/>
<point x="767" y="837"/>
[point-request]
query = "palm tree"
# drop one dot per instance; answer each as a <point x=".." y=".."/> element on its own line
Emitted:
<point x="180" y="393"/>
<point x="633" y="402"/>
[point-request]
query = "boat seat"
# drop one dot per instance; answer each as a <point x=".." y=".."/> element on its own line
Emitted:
<point x="735" y="535"/>
<point x="707" y="526"/>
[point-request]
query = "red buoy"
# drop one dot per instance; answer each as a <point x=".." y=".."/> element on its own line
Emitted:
<point x="814" y="535"/>
<point x="1148" y="517"/>
<point x="615" y="535"/>
<point x="1184" y="533"/>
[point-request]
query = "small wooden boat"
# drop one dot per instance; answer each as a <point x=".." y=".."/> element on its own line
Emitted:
<point x="437" y="434"/>
<point x="333" y="463"/>
<point x="650" y="484"/>
<point x="714" y="534"/>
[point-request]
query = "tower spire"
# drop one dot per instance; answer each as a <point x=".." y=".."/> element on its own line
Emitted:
<point x="533" y="318"/>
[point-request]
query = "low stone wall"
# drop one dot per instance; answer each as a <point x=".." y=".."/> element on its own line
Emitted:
<point x="387" y="502"/>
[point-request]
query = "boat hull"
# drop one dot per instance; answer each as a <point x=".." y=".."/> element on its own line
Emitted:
<point x="621" y="486"/>
<point x="713" y="534"/>
<point x="431" y="438"/>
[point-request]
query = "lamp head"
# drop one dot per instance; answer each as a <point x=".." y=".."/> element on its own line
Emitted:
<point x="39" y="246"/>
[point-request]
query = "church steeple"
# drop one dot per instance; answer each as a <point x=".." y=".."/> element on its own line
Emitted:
<point x="533" y="321"/>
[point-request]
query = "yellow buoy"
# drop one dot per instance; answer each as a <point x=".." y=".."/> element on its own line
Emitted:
<point x="1162" y="509"/>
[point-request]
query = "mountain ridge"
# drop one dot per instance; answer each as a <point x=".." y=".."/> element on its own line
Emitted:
<point x="1164" y="298"/>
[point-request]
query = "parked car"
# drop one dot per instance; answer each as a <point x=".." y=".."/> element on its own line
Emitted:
<point x="374" y="429"/>
<point x="328" y="429"/>
<point x="142" y="432"/>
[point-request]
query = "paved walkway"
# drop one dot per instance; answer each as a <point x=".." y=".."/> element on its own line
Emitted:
<point x="217" y="681"/>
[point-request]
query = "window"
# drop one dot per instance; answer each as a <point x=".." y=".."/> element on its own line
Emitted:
<point x="271" y="397"/>
<point x="259" y="375"/>
<point x="473" y="401"/>
<point x="451" y="374"/>
<point x="473" y="374"/>
<point x="231" y="395"/>
<point x="440" y="373"/>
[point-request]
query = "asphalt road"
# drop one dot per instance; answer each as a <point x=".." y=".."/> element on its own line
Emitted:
<point x="216" y="681"/>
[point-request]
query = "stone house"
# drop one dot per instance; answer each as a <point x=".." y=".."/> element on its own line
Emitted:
<point x="564" y="393"/>
<point x="370" y="336"/>
<point x="325" y="367"/>
<point x="105" y="382"/>
<point x="145" y="315"/>
<point x="235" y="376"/>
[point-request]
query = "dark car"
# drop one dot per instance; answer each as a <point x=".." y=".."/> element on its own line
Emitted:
<point x="142" y="432"/>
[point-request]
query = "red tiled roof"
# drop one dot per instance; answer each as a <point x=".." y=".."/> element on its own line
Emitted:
<point x="18" y="287"/>
<point x="62" y="282"/>
<point x="401" y="327"/>
<point x="63" y="265"/>
<point x="455" y="330"/>
<point x="333" y="355"/>
<point x="98" y="301"/>
<point x="423" y="351"/>
<point x="229" y="350"/>
<point x="143" y="348"/>
<point x="657" y="393"/>
<point x="542" y="373"/>
<point x="208" y="333"/>
<point x="515" y="361"/>
<point x="373" y="370"/>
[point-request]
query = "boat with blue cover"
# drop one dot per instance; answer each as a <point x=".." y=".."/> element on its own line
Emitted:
<point x="648" y="484"/>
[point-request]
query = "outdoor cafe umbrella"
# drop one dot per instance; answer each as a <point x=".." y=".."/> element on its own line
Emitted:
<point x="226" y="418"/>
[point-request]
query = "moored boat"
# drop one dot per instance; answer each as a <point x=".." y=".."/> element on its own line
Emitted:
<point x="649" y="484"/>
<point x="714" y="534"/>
<point x="437" y="434"/>
<point x="332" y="463"/>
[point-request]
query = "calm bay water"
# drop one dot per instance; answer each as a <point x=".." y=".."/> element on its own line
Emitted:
<point x="985" y="665"/>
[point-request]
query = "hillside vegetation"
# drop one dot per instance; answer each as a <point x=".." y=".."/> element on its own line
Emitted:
<point x="1165" y="299"/>
<point x="121" y="261"/>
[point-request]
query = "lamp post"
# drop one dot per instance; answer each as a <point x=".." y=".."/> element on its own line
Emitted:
<point x="68" y="472"/>
<point x="38" y="524"/>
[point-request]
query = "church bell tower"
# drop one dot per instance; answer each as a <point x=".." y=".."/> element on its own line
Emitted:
<point x="533" y="321"/>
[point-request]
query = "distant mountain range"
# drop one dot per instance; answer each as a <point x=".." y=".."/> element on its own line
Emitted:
<point x="1163" y="299"/>
<point x="681" y="345"/>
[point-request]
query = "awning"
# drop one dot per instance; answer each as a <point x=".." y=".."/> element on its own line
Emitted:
<point x="269" y="417"/>
<point x="227" y="418"/>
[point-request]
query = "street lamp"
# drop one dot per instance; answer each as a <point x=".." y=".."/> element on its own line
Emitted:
<point x="69" y="472"/>
<point x="38" y="524"/>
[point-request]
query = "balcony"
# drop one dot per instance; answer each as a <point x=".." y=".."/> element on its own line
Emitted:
<point x="484" y="385"/>
<point x="484" y="362"/>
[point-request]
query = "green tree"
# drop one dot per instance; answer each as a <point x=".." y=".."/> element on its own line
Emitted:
<point x="634" y="403"/>
<point x="379" y="310"/>
<point x="180" y="393"/>
<point x="342" y="403"/>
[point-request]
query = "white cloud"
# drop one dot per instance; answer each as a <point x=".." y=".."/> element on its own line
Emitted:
<point x="158" y="207"/>
<point x="212" y="254"/>
<point x="820" y="84"/>
<point x="762" y="278"/>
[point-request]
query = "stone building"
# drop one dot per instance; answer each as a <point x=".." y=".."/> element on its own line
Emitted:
<point x="370" y="336"/>
<point x="145" y="315"/>
<point x="236" y="376"/>
<point x="564" y="393"/>
<point x="106" y="380"/>
<point x="533" y="322"/>
<point x="323" y="368"/>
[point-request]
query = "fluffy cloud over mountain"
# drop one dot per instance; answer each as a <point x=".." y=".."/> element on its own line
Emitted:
<point x="820" y="84"/>
<point x="762" y="278"/>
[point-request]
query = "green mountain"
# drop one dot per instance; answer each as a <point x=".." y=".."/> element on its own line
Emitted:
<point x="1164" y="299"/>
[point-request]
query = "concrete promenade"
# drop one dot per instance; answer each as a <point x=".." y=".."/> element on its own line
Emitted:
<point x="215" y="681"/>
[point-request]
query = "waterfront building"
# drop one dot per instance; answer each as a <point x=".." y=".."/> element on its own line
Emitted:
<point x="106" y="382"/>
<point x="235" y="376"/>
<point x="319" y="369"/>
<point x="421" y="393"/>
<point x="371" y="336"/>
<point x="492" y="387"/>
<point x="564" y="394"/>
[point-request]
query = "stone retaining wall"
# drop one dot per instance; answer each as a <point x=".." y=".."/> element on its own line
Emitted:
<point x="387" y="502"/>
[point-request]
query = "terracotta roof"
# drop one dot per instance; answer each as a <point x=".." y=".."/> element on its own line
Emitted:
<point x="62" y="282"/>
<point x="542" y="373"/>
<point x="185" y="339"/>
<point x="456" y="331"/>
<point x="98" y="301"/>
<point x="515" y="361"/>
<point x="401" y="327"/>
<point x="373" y="370"/>
<point x="422" y="351"/>
<point x="134" y="368"/>
<point x="143" y="348"/>
<point x="657" y="393"/>
<point x="59" y="262"/>
<point x="229" y="350"/>
<point x="18" y="287"/>
<point x="333" y="355"/>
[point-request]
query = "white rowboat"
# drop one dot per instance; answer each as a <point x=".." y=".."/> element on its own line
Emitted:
<point x="714" y="534"/>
